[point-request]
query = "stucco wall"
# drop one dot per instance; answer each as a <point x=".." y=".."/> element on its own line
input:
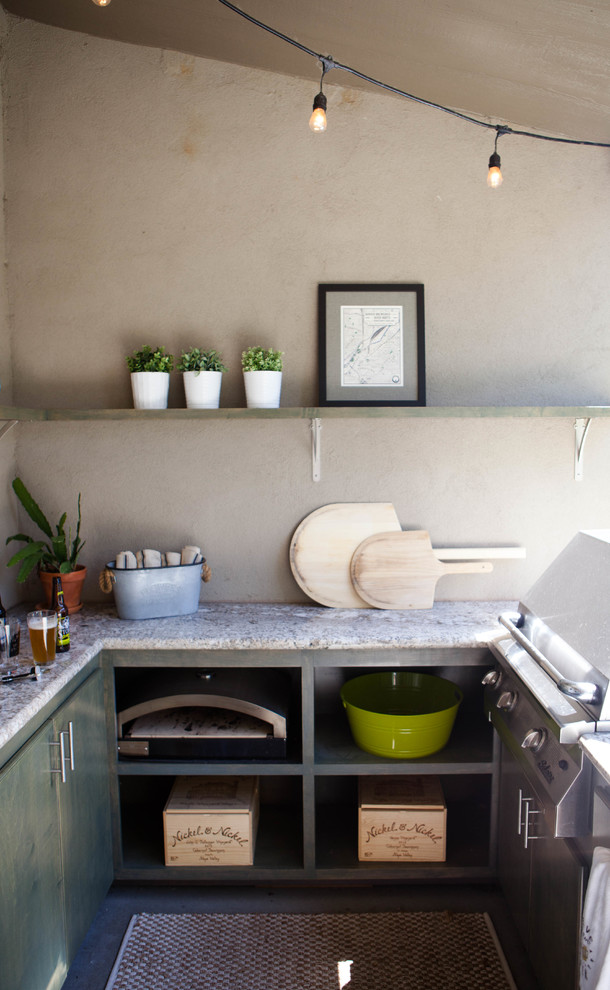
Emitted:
<point x="8" y="512"/>
<point x="153" y="197"/>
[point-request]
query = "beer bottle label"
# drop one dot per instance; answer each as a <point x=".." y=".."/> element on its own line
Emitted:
<point x="63" y="633"/>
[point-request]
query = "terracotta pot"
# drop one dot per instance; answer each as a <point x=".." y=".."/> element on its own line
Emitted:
<point x="71" y="583"/>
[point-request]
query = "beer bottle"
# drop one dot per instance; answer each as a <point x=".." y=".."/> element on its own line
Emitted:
<point x="63" y="619"/>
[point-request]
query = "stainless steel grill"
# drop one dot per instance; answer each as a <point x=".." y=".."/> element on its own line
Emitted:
<point x="550" y="684"/>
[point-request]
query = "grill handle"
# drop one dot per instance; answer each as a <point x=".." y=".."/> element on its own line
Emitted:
<point x="583" y="691"/>
<point x="580" y="690"/>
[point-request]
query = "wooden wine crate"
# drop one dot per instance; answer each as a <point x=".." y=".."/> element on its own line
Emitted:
<point x="211" y="821"/>
<point x="402" y="818"/>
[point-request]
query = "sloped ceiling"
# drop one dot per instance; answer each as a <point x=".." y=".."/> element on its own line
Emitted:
<point x="537" y="64"/>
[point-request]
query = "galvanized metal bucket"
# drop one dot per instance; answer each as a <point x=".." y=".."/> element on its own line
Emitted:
<point x="156" y="592"/>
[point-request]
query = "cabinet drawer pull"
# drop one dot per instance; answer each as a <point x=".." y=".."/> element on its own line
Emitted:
<point x="71" y="744"/>
<point x="520" y="822"/>
<point x="529" y="811"/>
<point x="62" y="756"/>
<point x="66" y="751"/>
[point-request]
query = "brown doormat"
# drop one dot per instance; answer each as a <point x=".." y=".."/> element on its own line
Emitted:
<point x="385" y="951"/>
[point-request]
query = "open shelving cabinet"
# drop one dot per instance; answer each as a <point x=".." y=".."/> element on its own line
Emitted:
<point x="308" y="819"/>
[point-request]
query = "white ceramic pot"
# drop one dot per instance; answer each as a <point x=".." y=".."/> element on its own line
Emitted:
<point x="263" y="389"/>
<point x="202" y="389"/>
<point x="150" y="389"/>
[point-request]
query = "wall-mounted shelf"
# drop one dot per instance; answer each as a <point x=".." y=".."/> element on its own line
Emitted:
<point x="581" y="416"/>
<point x="27" y="415"/>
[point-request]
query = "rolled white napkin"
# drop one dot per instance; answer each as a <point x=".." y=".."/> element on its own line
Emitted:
<point x="151" y="558"/>
<point x="595" y="934"/>
<point x="127" y="560"/>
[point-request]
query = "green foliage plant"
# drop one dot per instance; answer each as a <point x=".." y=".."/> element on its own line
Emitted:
<point x="59" y="555"/>
<point x="148" y="359"/>
<point x="197" y="360"/>
<point x="258" y="359"/>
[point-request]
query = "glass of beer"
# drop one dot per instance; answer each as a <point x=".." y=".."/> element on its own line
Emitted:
<point x="42" y="625"/>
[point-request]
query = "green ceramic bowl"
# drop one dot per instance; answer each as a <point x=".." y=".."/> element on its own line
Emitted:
<point x="401" y="714"/>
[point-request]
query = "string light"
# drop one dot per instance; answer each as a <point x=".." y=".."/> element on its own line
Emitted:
<point x="494" y="176"/>
<point x="101" y="3"/>
<point x="329" y="63"/>
<point x="317" y="121"/>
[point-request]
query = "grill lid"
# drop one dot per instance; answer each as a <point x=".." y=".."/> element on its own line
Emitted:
<point x="573" y="597"/>
<point x="565" y="619"/>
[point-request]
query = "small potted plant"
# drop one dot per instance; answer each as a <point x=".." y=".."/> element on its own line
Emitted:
<point x="150" y="370"/>
<point x="262" y="377"/>
<point x="202" y="377"/>
<point x="57" y="557"/>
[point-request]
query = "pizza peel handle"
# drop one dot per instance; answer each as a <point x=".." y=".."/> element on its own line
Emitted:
<point x="400" y="570"/>
<point x="323" y="544"/>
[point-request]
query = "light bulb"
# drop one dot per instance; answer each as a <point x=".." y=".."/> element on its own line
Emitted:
<point x="494" y="176"/>
<point x="317" y="121"/>
<point x="101" y="3"/>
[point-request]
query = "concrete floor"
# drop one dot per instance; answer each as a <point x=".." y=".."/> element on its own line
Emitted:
<point x="92" y="966"/>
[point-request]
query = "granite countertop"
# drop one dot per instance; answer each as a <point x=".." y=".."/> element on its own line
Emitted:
<point x="225" y="626"/>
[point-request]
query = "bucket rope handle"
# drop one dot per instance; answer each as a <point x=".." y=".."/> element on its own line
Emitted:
<point x="106" y="580"/>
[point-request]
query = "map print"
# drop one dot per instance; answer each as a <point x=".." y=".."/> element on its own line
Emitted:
<point x="371" y="345"/>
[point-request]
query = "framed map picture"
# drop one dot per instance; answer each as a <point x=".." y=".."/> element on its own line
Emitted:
<point x="371" y="345"/>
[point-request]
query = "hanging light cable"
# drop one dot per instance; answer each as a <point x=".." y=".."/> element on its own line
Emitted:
<point x="317" y="121"/>
<point x="494" y="175"/>
<point x="400" y="92"/>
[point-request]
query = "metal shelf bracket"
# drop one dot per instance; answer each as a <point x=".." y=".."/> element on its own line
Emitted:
<point x="8" y="425"/>
<point x="316" y="448"/>
<point x="581" y="428"/>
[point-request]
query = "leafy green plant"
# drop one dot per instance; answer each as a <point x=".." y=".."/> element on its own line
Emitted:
<point x="148" y="360"/>
<point x="59" y="555"/>
<point x="258" y="359"/>
<point x="198" y="360"/>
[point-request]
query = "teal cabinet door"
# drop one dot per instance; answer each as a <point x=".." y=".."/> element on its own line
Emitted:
<point x="543" y="883"/>
<point x="556" y="904"/>
<point x="84" y="795"/>
<point x="514" y="860"/>
<point x="32" y="946"/>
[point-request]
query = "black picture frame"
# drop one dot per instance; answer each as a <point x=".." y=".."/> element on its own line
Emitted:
<point x="371" y="331"/>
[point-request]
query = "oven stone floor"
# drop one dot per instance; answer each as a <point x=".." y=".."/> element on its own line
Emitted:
<point x="92" y="966"/>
